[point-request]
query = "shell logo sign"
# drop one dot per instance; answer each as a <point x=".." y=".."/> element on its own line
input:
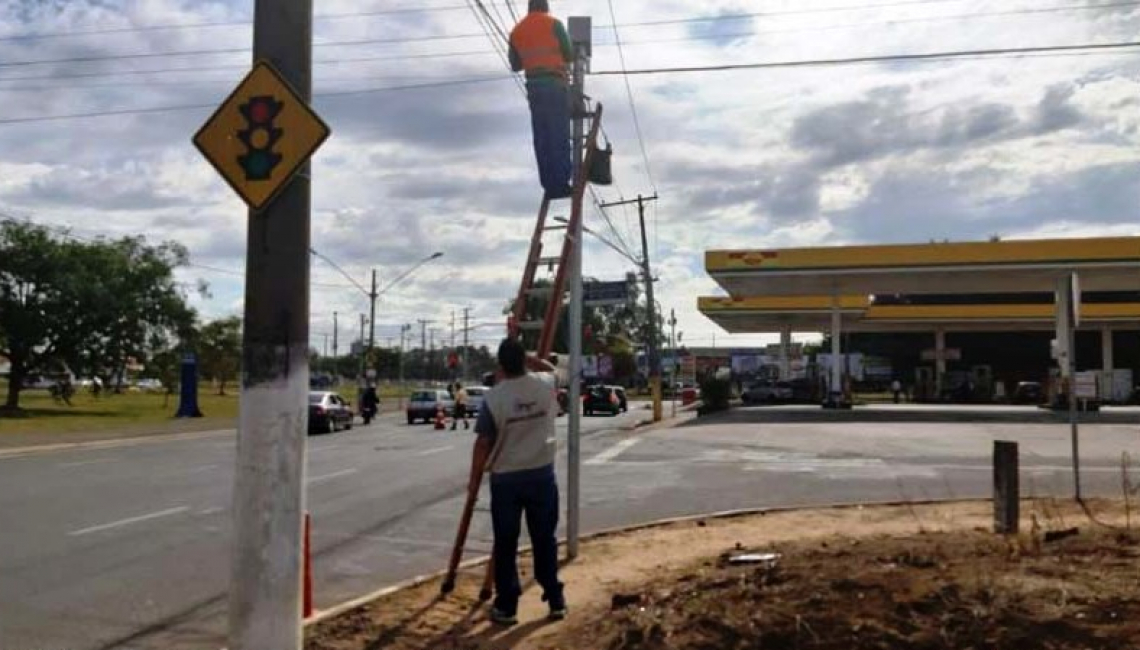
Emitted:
<point x="754" y="258"/>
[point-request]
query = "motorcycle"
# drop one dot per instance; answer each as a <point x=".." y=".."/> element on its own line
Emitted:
<point x="368" y="413"/>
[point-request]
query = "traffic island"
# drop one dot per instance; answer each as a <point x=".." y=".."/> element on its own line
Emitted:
<point x="898" y="576"/>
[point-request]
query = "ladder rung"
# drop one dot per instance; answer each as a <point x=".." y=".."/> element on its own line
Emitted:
<point x="558" y="227"/>
<point x="530" y="325"/>
<point x="549" y="260"/>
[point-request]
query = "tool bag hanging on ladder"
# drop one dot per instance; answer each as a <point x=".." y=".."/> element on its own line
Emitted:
<point x="601" y="168"/>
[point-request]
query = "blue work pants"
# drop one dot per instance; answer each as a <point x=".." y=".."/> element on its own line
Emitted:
<point x="533" y="494"/>
<point x="550" y="121"/>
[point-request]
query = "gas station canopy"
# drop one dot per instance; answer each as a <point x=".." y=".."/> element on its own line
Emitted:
<point x="861" y="314"/>
<point x="1103" y="264"/>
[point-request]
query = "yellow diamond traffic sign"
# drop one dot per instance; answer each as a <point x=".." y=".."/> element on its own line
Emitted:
<point x="261" y="135"/>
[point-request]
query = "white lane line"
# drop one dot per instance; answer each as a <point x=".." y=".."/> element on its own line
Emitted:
<point x="210" y="511"/>
<point x="128" y="521"/>
<point x="311" y="451"/>
<point x="613" y="452"/>
<point x="329" y="477"/>
<point x="88" y="462"/>
<point x="437" y="450"/>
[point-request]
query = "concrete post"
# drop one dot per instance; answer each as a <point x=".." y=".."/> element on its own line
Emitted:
<point x="269" y="478"/>
<point x="1007" y="491"/>
<point x="835" y="389"/>
<point x="785" y="360"/>
<point x="939" y="362"/>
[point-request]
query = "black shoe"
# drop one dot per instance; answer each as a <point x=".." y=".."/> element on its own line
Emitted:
<point x="500" y="617"/>
<point x="557" y="606"/>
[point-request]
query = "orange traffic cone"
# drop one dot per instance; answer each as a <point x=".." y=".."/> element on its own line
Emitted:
<point x="440" y="420"/>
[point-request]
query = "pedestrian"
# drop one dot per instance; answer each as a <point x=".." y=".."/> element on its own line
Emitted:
<point x="369" y="404"/>
<point x="516" y="444"/>
<point x="896" y="388"/>
<point x="460" y="407"/>
<point x="540" y="46"/>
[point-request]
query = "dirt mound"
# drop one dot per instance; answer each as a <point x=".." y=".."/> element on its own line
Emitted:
<point x="936" y="591"/>
<point x="898" y="578"/>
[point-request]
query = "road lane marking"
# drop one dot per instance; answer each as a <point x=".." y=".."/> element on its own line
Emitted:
<point x="88" y="462"/>
<point x="329" y="477"/>
<point x="436" y="450"/>
<point x="613" y="452"/>
<point x="210" y="511"/>
<point x="126" y="522"/>
<point x="319" y="450"/>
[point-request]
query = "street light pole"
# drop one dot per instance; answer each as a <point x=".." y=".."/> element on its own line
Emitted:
<point x="372" y="316"/>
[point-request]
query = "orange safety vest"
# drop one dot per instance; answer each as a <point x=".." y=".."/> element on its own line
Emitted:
<point x="538" y="48"/>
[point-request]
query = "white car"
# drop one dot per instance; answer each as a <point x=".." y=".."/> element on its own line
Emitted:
<point x="475" y="396"/>
<point x="149" y="385"/>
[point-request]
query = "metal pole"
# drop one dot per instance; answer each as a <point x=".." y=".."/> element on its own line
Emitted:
<point x="404" y="329"/>
<point x="574" y="425"/>
<point x="466" y="340"/>
<point x="269" y="495"/>
<point x="336" y="354"/>
<point x="673" y="373"/>
<point x="360" y="377"/>
<point x="372" y="316"/>
<point x="654" y="356"/>
<point x="1074" y="427"/>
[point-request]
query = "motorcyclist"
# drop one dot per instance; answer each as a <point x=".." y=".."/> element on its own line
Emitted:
<point x="369" y="404"/>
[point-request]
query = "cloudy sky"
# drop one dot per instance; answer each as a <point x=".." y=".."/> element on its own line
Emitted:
<point x="1030" y="146"/>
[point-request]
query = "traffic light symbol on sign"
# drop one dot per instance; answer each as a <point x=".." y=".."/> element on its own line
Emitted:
<point x="259" y="137"/>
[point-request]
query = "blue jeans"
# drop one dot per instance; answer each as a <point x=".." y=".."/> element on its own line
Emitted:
<point x="550" y="121"/>
<point x="533" y="493"/>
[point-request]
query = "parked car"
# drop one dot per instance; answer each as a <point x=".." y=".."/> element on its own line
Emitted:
<point x="149" y="386"/>
<point x="475" y="395"/>
<point x="768" y="393"/>
<point x="424" y="404"/>
<point x="605" y="399"/>
<point x="1028" y="392"/>
<point x="328" y="412"/>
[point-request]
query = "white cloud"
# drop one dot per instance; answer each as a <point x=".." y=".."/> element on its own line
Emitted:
<point x="1034" y="146"/>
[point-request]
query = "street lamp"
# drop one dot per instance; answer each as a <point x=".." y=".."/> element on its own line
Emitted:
<point x="375" y="293"/>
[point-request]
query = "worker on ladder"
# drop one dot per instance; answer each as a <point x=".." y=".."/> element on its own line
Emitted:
<point x="540" y="45"/>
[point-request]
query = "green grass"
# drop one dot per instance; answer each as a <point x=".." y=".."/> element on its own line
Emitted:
<point x="129" y="411"/>
<point x="43" y="420"/>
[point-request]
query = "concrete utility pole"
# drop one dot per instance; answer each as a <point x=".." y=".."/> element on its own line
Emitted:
<point x="404" y="329"/>
<point x="466" y="340"/>
<point x="336" y="335"/>
<point x="580" y="28"/>
<point x="372" y="296"/>
<point x="654" y="355"/>
<point x="363" y="350"/>
<point x="269" y="484"/>
<point x="673" y="370"/>
<point x="424" y="344"/>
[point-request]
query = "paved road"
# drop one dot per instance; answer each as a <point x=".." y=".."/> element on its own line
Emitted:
<point x="127" y="547"/>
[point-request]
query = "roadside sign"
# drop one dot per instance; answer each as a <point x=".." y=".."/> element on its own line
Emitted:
<point x="605" y="366"/>
<point x="1086" y="385"/>
<point x="603" y="294"/>
<point x="260" y="136"/>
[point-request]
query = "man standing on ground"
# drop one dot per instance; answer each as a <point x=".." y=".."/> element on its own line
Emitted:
<point x="516" y="443"/>
<point x="460" y="407"/>
<point x="540" y="45"/>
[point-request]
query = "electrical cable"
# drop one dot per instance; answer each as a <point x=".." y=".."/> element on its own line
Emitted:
<point x="887" y="58"/>
<point x="189" y="107"/>
<point x="632" y="104"/>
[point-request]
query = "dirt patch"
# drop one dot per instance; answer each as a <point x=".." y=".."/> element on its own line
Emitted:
<point x="922" y="577"/>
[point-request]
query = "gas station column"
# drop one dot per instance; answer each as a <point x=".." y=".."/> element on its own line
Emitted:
<point x="1062" y="326"/>
<point x="1108" y="363"/>
<point x="835" y="387"/>
<point x="785" y="362"/>
<point x="940" y="361"/>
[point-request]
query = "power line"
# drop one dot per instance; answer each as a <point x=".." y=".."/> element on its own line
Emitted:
<point x="614" y="26"/>
<point x="889" y="58"/>
<point x="190" y="107"/>
<point x="225" y="23"/>
<point x="632" y="104"/>
<point x="511" y="8"/>
<point x="243" y="66"/>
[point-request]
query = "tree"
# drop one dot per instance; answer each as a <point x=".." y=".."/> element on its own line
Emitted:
<point x="89" y="305"/>
<point x="219" y="350"/>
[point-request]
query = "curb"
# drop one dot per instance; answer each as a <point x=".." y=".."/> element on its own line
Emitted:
<point x="347" y="606"/>
<point x="20" y="452"/>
